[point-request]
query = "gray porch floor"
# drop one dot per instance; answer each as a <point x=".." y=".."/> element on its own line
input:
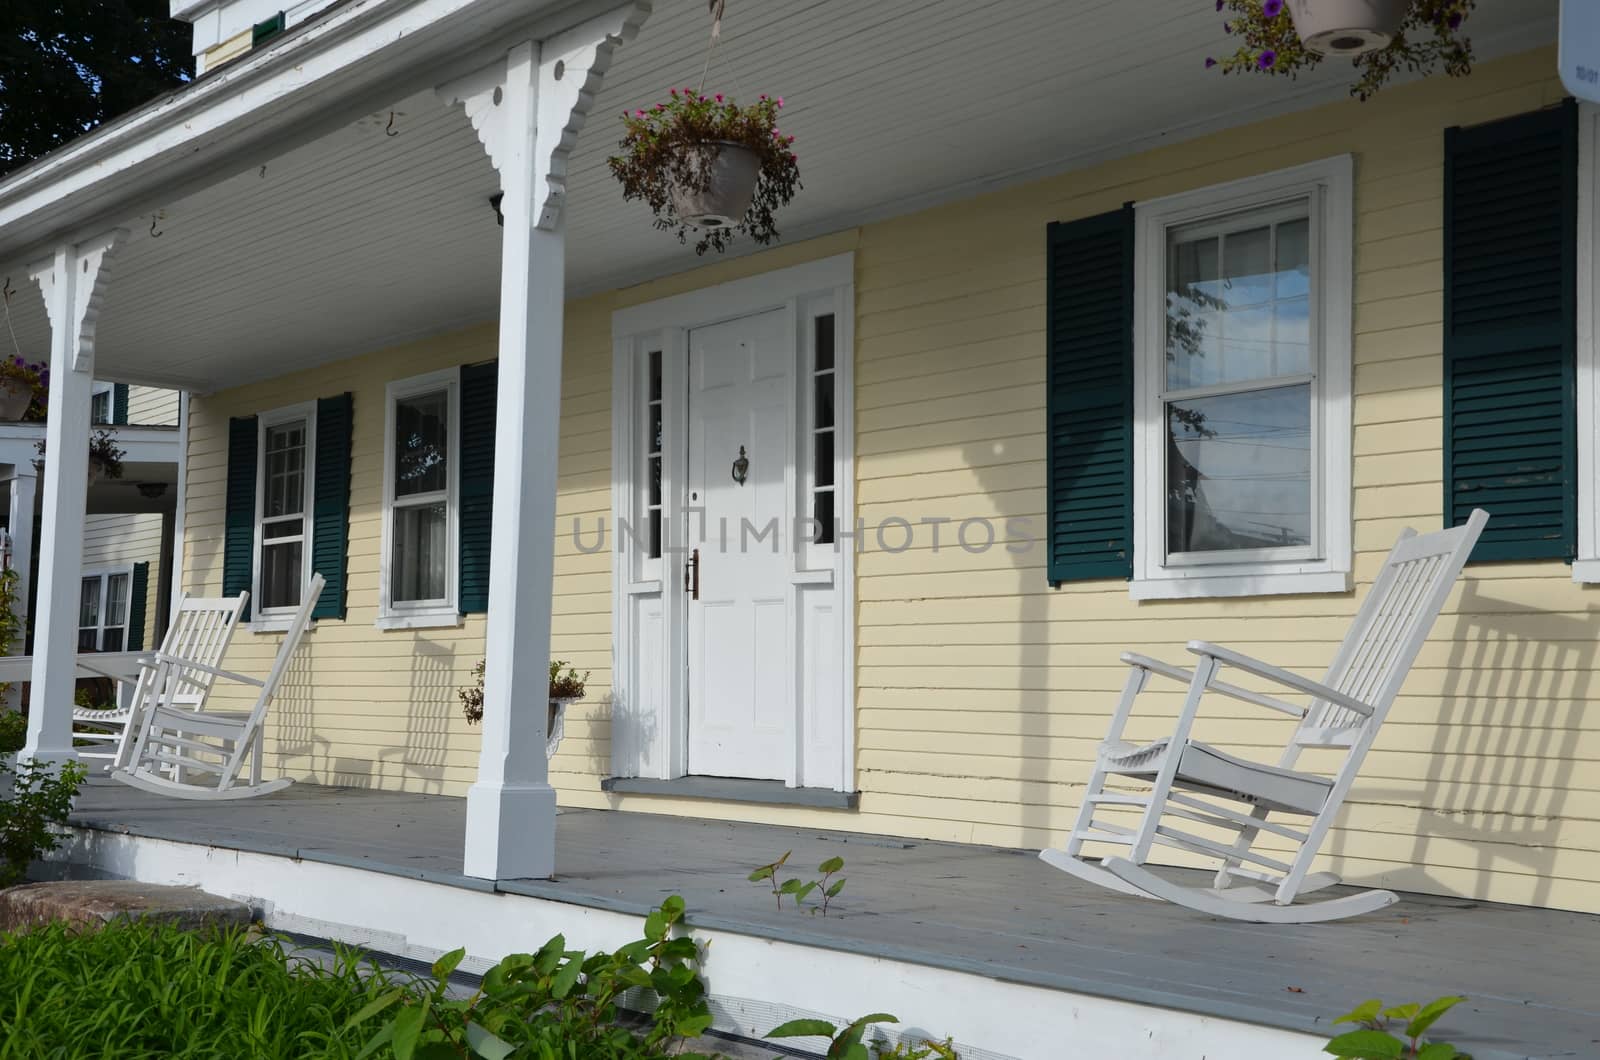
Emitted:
<point x="1530" y="974"/>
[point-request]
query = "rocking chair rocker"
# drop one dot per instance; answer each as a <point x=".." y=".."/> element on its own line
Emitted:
<point x="1193" y="781"/>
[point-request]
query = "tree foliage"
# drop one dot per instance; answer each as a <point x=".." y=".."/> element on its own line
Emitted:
<point x="68" y="65"/>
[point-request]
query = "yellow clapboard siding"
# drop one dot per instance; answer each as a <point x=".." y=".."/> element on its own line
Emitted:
<point x="982" y="692"/>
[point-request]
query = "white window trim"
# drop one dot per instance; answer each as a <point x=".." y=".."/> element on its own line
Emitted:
<point x="1586" y="568"/>
<point x="278" y="619"/>
<point x="429" y="614"/>
<point x="1329" y="184"/>
<point x="105" y="574"/>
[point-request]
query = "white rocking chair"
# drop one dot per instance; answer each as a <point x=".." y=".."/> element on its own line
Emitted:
<point x="1192" y="781"/>
<point x="174" y="743"/>
<point x="199" y="633"/>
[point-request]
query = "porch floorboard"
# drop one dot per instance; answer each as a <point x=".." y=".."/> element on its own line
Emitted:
<point x="1528" y="973"/>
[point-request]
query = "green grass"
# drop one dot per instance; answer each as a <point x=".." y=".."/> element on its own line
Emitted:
<point x="145" y="990"/>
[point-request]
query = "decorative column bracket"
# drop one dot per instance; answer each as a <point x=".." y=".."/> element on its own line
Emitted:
<point x="79" y="269"/>
<point x="544" y="89"/>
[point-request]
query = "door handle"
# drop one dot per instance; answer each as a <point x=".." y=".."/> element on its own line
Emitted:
<point x="691" y="575"/>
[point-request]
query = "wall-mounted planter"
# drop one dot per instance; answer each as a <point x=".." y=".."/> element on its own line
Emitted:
<point x="558" y="724"/>
<point x="15" y="397"/>
<point x="1347" y="27"/>
<point x="726" y="183"/>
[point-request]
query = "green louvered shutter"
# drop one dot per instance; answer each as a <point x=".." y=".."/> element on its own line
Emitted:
<point x="330" y="511"/>
<point x="137" y="591"/>
<point x="239" y="529"/>
<point x="119" y="403"/>
<point x="1089" y="336"/>
<point x="476" y="444"/>
<point x="1510" y="332"/>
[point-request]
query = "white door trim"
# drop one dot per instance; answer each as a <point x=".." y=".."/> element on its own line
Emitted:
<point x="649" y="603"/>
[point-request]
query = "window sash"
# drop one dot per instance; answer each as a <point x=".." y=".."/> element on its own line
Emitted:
<point x="1270" y="215"/>
<point x="291" y="529"/>
<point x="109" y="611"/>
<point x="444" y="383"/>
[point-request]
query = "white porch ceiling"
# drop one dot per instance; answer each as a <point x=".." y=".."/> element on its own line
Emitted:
<point x="361" y="239"/>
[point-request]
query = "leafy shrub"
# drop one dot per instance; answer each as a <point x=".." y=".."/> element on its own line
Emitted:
<point x="143" y="989"/>
<point x="828" y="887"/>
<point x="13" y="730"/>
<point x="845" y="1043"/>
<point x="1373" y="1041"/>
<point x="32" y="814"/>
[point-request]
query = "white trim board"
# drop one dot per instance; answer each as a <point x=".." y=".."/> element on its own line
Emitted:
<point x="747" y="975"/>
<point x="1586" y="567"/>
<point x="649" y="600"/>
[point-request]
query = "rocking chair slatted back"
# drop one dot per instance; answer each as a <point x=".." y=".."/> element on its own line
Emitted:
<point x="201" y="631"/>
<point x="1388" y="632"/>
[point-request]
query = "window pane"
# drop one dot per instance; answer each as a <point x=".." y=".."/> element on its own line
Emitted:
<point x="822" y="512"/>
<point x="280" y="575"/>
<point x="117" y="600"/>
<point x="420" y="553"/>
<point x="285" y="462"/>
<point x="823" y="468"/>
<point x="89" y="602"/>
<point x="824" y="401"/>
<point x="87" y="639"/>
<point x="655" y="375"/>
<point x="421" y="443"/>
<point x="100" y="407"/>
<point x="1238" y="305"/>
<point x="824" y="352"/>
<point x="1239" y="471"/>
<point x="111" y="640"/>
<point x="282" y="528"/>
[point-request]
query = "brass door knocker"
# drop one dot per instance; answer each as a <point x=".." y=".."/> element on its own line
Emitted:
<point x="741" y="467"/>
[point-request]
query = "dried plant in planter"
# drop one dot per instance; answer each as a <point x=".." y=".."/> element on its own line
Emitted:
<point x="697" y="160"/>
<point x="562" y="687"/>
<point x="1428" y="38"/>
<point x="24" y="389"/>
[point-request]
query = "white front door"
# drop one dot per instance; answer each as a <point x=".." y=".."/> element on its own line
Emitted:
<point x="740" y="415"/>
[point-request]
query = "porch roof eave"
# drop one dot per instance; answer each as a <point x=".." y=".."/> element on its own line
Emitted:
<point x="358" y="55"/>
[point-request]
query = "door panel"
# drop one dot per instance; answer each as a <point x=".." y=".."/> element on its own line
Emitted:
<point x="739" y="637"/>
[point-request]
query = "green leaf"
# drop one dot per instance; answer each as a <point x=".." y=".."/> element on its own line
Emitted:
<point x="694" y="1026"/>
<point x="834" y="889"/>
<point x="377" y="1041"/>
<point x="562" y="985"/>
<point x="407" y="1029"/>
<point x="1429" y="1015"/>
<point x="831" y="865"/>
<point x="763" y="873"/>
<point x="800" y="895"/>
<point x="1401" y="1012"/>
<point x="655" y="925"/>
<point x="1365" y="1012"/>
<point x="1438" y="1051"/>
<point x="447" y="964"/>
<point x="802" y="1029"/>
<point x="1367" y="1045"/>
<point x="673" y="907"/>
<point x="854" y="1051"/>
<point x="487" y="1045"/>
<point x="789" y="887"/>
<point x="372" y="1008"/>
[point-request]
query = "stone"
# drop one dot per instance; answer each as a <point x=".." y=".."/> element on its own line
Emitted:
<point x="94" y="903"/>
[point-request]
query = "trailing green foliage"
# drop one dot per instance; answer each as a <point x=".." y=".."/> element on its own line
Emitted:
<point x="147" y="990"/>
<point x="32" y="812"/>
<point x="557" y="1004"/>
<point x="827" y="887"/>
<point x="1374" y="1040"/>
<point x="845" y="1043"/>
<point x="13" y="730"/>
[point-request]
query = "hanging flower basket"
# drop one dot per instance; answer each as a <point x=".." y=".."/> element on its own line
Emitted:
<point x="105" y="457"/>
<point x="718" y="193"/>
<point x="705" y="164"/>
<point x="22" y="389"/>
<point x="1380" y="37"/>
<point x="1347" y="27"/>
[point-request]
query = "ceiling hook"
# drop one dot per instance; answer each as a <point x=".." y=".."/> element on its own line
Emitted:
<point x="390" y="130"/>
<point x="153" y="219"/>
<point x="7" y="291"/>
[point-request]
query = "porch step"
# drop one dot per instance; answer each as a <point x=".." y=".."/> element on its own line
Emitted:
<point x="93" y="903"/>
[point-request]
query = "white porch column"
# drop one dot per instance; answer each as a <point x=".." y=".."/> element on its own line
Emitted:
<point x="72" y="283"/>
<point x="527" y="111"/>
<point x="21" y="492"/>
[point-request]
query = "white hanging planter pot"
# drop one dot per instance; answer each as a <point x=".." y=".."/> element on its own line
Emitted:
<point x="725" y="181"/>
<point x="15" y="397"/>
<point x="1347" y="28"/>
<point x="558" y="724"/>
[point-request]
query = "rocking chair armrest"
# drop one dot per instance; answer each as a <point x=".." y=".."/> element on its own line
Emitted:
<point x="1275" y="674"/>
<point x="214" y="671"/>
<point x="1178" y="673"/>
<point x="121" y="679"/>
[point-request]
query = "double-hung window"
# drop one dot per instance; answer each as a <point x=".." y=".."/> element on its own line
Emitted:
<point x="421" y="471"/>
<point x="283" y="509"/>
<point x="103" y="610"/>
<point x="1242" y="384"/>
